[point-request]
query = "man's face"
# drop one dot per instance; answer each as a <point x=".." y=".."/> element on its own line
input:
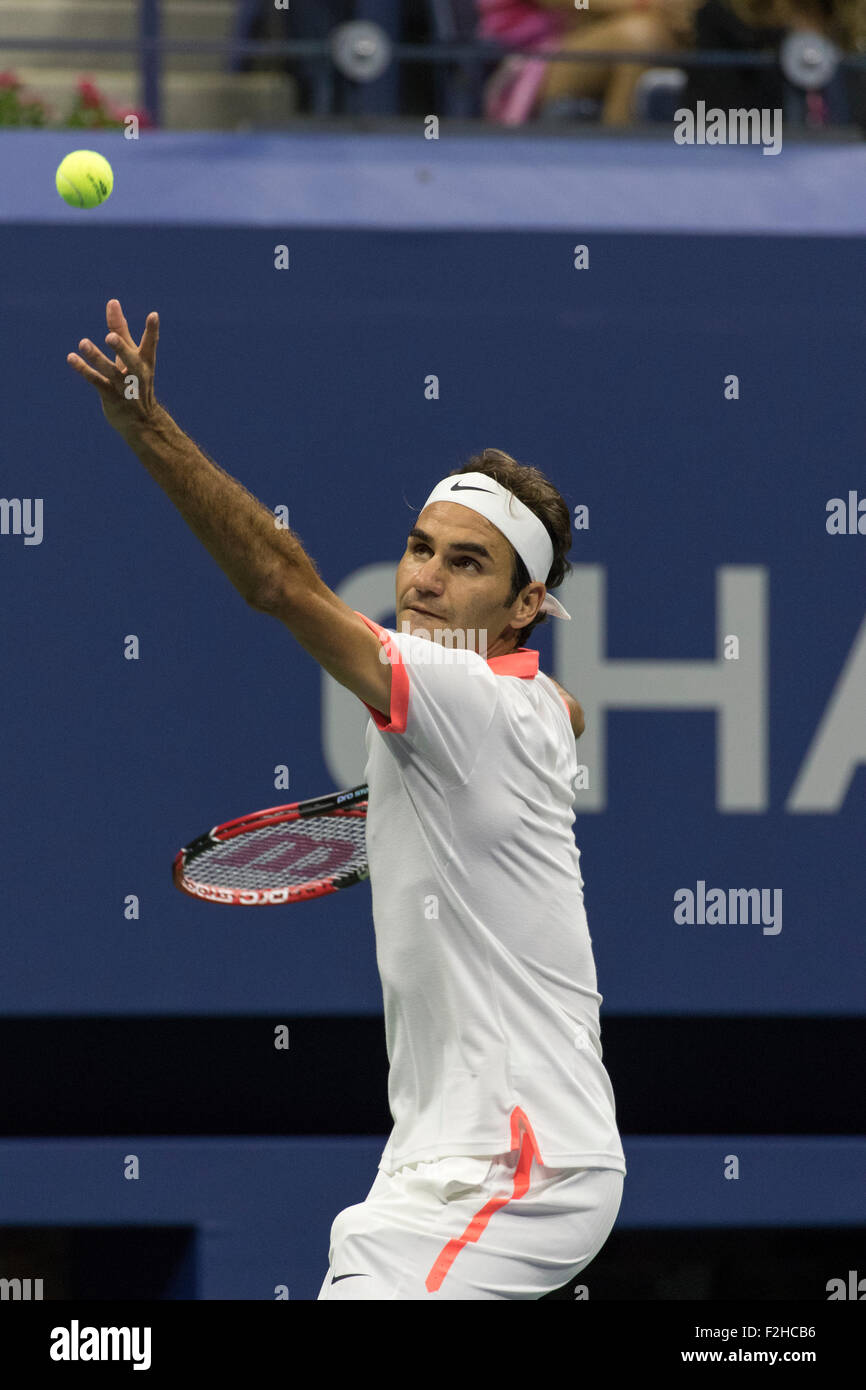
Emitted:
<point x="457" y="566"/>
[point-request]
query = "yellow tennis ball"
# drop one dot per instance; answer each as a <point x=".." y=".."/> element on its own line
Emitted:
<point x="84" y="179"/>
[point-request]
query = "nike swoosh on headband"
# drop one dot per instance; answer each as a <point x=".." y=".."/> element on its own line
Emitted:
<point x="467" y="487"/>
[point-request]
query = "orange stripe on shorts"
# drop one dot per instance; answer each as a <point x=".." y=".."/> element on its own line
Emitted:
<point x="522" y="1135"/>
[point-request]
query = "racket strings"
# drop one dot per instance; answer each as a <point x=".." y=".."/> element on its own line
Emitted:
<point x="285" y="855"/>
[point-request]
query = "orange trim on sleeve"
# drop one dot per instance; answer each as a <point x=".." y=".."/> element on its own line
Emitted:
<point x="399" y="684"/>
<point x="521" y="1132"/>
<point x="523" y="662"/>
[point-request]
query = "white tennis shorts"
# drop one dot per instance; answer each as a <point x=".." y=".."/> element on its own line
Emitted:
<point x="472" y="1228"/>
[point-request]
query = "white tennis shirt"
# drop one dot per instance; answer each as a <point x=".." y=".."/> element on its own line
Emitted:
<point x="483" y="948"/>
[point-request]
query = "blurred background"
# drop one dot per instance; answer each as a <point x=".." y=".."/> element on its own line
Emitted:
<point x="246" y="64"/>
<point x="382" y="236"/>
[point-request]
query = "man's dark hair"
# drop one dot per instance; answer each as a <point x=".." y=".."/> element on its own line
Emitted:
<point x="531" y="487"/>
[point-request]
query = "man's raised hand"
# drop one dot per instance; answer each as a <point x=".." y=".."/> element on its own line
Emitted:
<point x="126" y="385"/>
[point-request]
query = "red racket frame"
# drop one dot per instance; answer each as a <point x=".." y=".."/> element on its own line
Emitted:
<point x="346" y="803"/>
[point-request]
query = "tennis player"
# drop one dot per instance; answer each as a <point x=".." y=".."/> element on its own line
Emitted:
<point x="503" y="1173"/>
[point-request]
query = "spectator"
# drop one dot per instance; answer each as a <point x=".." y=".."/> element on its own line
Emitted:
<point x="751" y="25"/>
<point x="720" y="24"/>
<point x="843" y="21"/>
<point x="522" y="87"/>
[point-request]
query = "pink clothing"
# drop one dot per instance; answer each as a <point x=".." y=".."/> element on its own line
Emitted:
<point x="511" y="92"/>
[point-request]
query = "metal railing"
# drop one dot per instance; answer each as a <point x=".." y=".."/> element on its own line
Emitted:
<point x="151" y="47"/>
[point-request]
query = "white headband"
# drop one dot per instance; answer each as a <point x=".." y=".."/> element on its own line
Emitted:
<point x="509" y="515"/>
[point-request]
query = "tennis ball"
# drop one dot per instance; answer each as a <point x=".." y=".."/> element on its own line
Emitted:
<point x="84" y="179"/>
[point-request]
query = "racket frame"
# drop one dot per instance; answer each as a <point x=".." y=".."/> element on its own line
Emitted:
<point x="351" y="803"/>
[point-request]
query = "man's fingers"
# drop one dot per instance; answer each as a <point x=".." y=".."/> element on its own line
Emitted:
<point x="87" y="372"/>
<point x="150" y="339"/>
<point x="118" y="325"/>
<point x="126" y="352"/>
<point x="97" y="358"/>
<point x="128" y="360"/>
<point x="109" y="376"/>
<point x="115" y="319"/>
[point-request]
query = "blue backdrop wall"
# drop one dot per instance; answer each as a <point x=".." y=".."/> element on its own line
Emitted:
<point x="707" y="518"/>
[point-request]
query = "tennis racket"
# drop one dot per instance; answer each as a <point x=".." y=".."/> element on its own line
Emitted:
<point x="286" y="854"/>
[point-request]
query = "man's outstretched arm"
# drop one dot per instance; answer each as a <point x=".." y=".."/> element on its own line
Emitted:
<point x="240" y="533"/>
<point x="266" y="563"/>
